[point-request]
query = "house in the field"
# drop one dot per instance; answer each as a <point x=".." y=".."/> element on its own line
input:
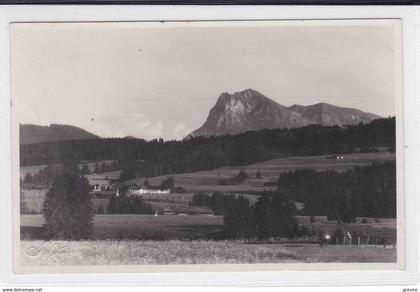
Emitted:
<point x="99" y="188"/>
<point x="187" y="210"/>
<point x="169" y="211"/>
<point x="136" y="190"/>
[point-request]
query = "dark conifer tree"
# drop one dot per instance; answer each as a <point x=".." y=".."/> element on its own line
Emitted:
<point x="238" y="219"/>
<point x="169" y="183"/>
<point x="67" y="207"/>
<point x="275" y="216"/>
<point x="242" y="175"/>
<point x="97" y="169"/>
<point x="128" y="172"/>
<point x="85" y="169"/>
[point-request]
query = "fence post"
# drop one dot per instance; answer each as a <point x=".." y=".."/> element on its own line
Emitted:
<point x="367" y="241"/>
<point x="344" y="240"/>
<point x="358" y="240"/>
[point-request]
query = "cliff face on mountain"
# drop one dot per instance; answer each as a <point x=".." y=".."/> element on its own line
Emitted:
<point x="251" y="110"/>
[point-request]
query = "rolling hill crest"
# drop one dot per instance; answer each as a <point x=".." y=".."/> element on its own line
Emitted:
<point x="31" y="134"/>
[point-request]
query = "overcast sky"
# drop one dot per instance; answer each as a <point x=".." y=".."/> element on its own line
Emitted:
<point x="160" y="80"/>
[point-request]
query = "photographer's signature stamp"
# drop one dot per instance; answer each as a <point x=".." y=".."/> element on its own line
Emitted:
<point x="48" y="250"/>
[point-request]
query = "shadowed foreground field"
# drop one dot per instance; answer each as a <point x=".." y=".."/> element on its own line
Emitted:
<point x="134" y="227"/>
<point x="41" y="253"/>
<point x="170" y="227"/>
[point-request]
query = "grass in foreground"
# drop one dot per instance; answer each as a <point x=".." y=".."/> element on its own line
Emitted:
<point x="171" y="227"/>
<point x="138" y="227"/>
<point x="41" y="253"/>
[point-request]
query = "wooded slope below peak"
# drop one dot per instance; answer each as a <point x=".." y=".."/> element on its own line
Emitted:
<point x="159" y="157"/>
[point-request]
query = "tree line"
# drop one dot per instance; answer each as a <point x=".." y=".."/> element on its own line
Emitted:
<point x="365" y="191"/>
<point x="368" y="191"/>
<point x="271" y="216"/>
<point x="159" y="157"/>
<point x="128" y="205"/>
<point x="46" y="175"/>
<point x="101" y="167"/>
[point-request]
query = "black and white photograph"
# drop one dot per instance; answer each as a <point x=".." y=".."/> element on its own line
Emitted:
<point x="258" y="145"/>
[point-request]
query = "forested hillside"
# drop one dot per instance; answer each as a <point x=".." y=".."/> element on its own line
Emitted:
<point x="368" y="191"/>
<point x="32" y="134"/>
<point x="159" y="157"/>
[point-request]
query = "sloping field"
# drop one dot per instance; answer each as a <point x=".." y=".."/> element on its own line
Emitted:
<point x="33" y="169"/>
<point x="103" y="179"/>
<point x="221" y="179"/>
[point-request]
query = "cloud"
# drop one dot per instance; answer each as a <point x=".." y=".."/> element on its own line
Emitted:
<point x="135" y="124"/>
<point x="180" y="130"/>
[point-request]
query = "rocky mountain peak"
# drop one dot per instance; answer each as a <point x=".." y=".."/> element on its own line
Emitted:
<point x="251" y="110"/>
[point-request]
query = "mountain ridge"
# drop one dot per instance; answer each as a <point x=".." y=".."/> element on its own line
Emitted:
<point x="251" y="110"/>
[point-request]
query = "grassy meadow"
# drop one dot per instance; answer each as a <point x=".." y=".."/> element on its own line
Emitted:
<point x="220" y="179"/>
<point x="170" y="227"/>
<point x="62" y="253"/>
<point x="127" y="226"/>
<point x="33" y="169"/>
<point x="379" y="228"/>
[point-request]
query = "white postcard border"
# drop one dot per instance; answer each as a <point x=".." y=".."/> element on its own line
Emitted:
<point x="127" y="13"/>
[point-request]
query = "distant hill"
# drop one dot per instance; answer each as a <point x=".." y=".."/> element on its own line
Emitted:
<point x="250" y="110"/>
<point x="31" y="134"/>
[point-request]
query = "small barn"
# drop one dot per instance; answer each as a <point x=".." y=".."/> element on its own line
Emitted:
<point x="187" y="210"/>
<point x="169" y="211"/>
